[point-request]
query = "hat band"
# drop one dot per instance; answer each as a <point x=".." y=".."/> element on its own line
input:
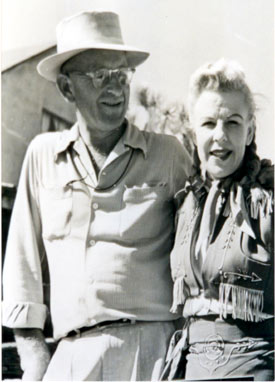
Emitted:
<point x="65" y="47"/>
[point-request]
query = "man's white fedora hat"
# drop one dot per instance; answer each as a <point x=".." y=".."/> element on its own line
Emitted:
<point x="88" y="30"/>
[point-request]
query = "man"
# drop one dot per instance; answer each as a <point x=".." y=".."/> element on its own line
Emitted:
<point x="98" y="199"/>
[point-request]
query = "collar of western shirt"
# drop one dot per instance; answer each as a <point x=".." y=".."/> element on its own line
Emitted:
<point x="229" y="191"/>
<point x="132" y="137"/>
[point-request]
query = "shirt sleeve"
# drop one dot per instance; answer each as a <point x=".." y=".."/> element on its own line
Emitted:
<point x="23" y="305"/>
<point x="266" y="223"/>
<point x="182" y="167"/>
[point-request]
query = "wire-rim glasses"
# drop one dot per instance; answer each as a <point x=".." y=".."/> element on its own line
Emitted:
<point x="101" y="76"/>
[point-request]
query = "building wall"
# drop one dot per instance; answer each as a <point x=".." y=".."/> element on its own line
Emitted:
<point x="24" y="95"/>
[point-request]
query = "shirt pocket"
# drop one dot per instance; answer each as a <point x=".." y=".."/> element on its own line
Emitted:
<point x="144" y="212"/>
<point x="56" y="212"/>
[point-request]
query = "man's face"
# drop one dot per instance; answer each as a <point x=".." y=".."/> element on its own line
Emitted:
<point x="103" y="108"/>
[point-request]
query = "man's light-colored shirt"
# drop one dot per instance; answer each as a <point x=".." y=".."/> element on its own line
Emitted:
<point x="107" y="238"/>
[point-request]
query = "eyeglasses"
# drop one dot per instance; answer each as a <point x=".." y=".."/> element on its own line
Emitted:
<point x="101" y="76"/>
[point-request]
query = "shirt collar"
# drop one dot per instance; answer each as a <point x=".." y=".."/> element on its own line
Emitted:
<point x="132" y="137"/>
<point x="65" y="139"/>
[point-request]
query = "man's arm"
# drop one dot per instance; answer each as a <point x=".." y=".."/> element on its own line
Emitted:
<point x="183" y="167"/>
<point x="34" y="353"/>
<point x="23" y="306"/>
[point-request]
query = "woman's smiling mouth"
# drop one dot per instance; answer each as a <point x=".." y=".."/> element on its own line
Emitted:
<point x="222" y="154"/>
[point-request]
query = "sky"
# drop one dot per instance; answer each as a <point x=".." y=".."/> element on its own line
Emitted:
<point x="180" y="35"/>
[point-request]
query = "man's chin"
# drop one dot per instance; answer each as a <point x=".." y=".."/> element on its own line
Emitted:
<point x="111" y="123"/>
<point x="113" y="110"/>
<point x="116" y="117"/>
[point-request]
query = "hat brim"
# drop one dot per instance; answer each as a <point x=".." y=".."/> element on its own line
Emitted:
<point x="49" y="67"/>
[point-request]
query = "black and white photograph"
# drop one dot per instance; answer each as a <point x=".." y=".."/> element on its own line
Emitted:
<point x="137" y="190"/>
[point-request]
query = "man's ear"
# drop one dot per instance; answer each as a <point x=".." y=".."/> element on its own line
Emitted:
<point x="65" y="87"/>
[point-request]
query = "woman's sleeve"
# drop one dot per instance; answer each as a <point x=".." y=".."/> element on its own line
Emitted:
<point x="266" y="223"/>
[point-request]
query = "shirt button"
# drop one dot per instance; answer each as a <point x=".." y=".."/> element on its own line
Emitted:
<point x="95" y="206"/>
<point x="104" y="173"/>
<point x="92" y="243"/>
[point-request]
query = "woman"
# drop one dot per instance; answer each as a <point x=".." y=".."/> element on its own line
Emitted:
<point x="222" y="261"/>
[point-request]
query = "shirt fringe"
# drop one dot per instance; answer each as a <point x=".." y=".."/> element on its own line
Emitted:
<point x="261" y="202"/>
<point x="178" y="294"/>
<point x="245" y="304"/>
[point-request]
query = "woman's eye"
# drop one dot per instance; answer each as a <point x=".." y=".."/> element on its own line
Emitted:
<point x="208" y="124"/>
<point x="232" y="122"/>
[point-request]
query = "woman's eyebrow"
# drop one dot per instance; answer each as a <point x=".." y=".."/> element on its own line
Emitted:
<point x="236" y="115"/>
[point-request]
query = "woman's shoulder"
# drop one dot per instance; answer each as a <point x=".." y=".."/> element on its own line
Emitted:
<point x="260" y="202"/>
<point x="261" y="191"/>
<point x="265" y="176"/>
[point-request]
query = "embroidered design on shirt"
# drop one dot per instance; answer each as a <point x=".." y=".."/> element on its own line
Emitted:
<point x="253" y="278"/>
<point x="215" y="353"/>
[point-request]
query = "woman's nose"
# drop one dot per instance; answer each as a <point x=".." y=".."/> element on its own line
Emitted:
<point x="219" y="133"/>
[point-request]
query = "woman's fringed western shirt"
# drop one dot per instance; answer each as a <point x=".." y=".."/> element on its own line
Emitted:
<point x="234" y="278"/>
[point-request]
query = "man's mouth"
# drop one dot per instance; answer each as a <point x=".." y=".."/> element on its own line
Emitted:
<point x="112" y="103"/>
<point x="222" y="154"/>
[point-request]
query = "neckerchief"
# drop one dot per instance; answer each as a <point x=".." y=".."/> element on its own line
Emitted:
<point x="230" y="191"/>
<point x="211" y="212"/>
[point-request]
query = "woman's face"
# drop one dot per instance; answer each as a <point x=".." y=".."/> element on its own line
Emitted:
<point x="222" y="130"/>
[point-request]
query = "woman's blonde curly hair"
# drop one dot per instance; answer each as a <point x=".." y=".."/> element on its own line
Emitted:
<point x="226" y="75"/>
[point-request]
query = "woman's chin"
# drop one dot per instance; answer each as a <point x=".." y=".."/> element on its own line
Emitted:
<point x="219" y="173"/>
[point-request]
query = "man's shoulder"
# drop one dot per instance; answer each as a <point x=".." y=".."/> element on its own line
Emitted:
<point x="158" y="140"/>
<point x="166" y="145"/>
<point x="165" y="138"/>
<point x="48" y="139"/>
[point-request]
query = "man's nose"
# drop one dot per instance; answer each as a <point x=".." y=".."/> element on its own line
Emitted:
<point x="219" y="131"/>
<point x="114" y="90"/>
<point x="114" y="87"/>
